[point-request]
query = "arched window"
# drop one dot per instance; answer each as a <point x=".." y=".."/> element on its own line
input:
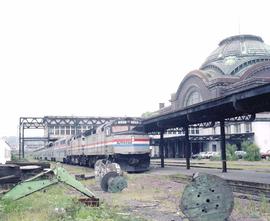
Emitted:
<point x="193" y="98"/>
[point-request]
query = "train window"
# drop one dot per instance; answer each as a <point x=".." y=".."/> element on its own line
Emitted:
<point x="135" y="122"/>
<point x="131" y="127"/>
<point x="121" y="122"/>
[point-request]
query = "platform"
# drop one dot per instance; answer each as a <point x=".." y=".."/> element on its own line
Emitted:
<point x="241" y="175"/>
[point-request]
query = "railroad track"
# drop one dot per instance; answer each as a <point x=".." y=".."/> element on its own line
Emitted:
<point x="238" y="186"/>
<point x="251" y="188"/>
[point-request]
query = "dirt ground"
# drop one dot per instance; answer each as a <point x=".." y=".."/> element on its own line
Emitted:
<point x="155" y="196"/>
<point x="147" y="196"/>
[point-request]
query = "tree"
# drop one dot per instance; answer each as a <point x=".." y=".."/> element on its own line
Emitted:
<point x="253" y="152"/>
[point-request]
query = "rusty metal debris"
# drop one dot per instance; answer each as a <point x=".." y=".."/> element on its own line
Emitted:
<point x="110" y="176"/>
<point x="90" y="201"/>
<point x="48" y="178"/>
<point x="84" y="177"/>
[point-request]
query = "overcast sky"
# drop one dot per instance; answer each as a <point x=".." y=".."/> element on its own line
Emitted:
<point x="109" y="58"/>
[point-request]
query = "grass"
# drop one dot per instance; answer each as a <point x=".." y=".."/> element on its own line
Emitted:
<point x="252" y="209"/>
<point x="56" y="205"/>
<point x="145" y="192"/>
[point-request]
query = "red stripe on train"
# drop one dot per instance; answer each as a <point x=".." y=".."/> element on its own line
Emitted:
<point x="142" y="139"/>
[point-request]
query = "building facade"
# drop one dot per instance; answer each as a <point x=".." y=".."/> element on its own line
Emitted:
<point x="56" y="127"/>
<point x="5" y="152"/>
<point x="239" y="62"/>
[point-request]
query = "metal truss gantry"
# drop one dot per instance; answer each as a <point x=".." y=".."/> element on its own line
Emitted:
<point x="47" y="122"/>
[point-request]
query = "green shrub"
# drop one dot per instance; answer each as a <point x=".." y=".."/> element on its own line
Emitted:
<point x="230" y="152"/>
<point x="245" y="145"/>
<point x="253" y="153"/>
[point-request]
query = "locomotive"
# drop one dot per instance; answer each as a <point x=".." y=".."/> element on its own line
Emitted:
<point x="121" y="141"/>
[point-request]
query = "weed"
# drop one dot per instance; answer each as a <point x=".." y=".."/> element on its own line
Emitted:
<point x="264" y="205"/>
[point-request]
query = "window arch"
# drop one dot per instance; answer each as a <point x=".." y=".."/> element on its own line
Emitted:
<point x="193" y="98"/>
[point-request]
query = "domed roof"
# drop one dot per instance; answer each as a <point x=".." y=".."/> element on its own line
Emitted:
<point x="236" y="53"/>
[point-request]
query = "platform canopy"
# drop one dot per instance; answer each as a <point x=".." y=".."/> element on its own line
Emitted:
<point x="249" y="101"/>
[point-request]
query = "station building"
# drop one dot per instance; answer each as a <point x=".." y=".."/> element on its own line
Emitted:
<point x="239" y="62"/>
<point x="56" y="127"/>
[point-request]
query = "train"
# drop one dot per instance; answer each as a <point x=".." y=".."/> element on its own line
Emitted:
<point x="121" y="140"/>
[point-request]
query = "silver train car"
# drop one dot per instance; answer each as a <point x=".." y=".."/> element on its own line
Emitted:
<point x="118" y="141"/>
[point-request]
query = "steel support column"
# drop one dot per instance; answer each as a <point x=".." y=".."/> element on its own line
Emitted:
<point x="223" y="146"/>
<point x="187" y="148"/>
<point x="20" y="142"/>
<point x="22" y="148"/>
<point x="161" y="148"/>
<point x="174" y="149"/>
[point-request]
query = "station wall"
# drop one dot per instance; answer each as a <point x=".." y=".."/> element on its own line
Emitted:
<point x="262" y="135"/>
